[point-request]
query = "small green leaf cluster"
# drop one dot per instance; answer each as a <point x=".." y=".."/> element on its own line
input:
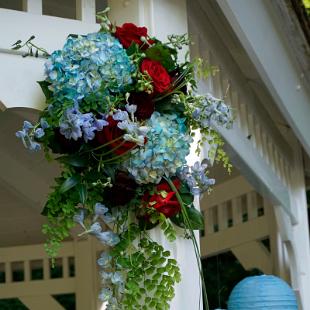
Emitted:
<point x="151" y="276"/>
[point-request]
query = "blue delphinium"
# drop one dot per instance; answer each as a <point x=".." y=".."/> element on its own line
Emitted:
<point x="85" y="64"/>
<point x="29" y="132"/>
<point x="168" y="143"/>
<point x="210" y="110"/>
<point x="196" y="178"/>
<point x="74" y="124"/>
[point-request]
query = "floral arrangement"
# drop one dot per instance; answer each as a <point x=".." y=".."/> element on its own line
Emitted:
<point x="121" y="111"/>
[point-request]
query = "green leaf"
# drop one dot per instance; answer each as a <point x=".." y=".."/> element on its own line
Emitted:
<point x="162" y="54"/>
<point x="69" y="183"/>
<point x="82" y="189"/>
<point x="187" y="198"/>
<point x="132" y="49"/>
<point x="195" y="218"/>
<point x="44" y="86"/>
<point x="73" y="160"/>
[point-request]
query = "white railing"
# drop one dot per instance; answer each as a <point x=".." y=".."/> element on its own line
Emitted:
<point x="234" y="214"/>
<point x="26" y="270"/>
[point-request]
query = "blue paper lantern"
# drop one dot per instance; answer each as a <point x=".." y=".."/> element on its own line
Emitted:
<point x="262" y="293"/>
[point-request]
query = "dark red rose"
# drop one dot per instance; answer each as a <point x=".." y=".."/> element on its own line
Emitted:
<point x="159" y="75"/>
<point x="129" y="33"/>
<point x="110" y="133"/>
<point x="61" y="145"/>
<point x="123" y="189"/>
<point x="166" y="204"/>
<point x="145" y="105"/>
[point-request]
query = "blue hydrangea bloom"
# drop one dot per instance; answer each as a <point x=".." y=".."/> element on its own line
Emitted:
<point x="196" y="177"/>
<point x="85" y="62"/>
<point x="211" y="110"/>
<point x="168" y="143"/>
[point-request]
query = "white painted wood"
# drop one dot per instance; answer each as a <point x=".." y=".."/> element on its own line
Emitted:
<point x="236" y="211"/>
<point x="8" y="272"/>
<point x="222" y="216"/>
<point x="85" y="274"/>
<point x="251" y="199"/>
<point x="45" y="302"/>
<point x="18" y="87"/>
<point x="162" y="18"/>
<point x="226" y="191"/>
<point x="234" y="236"/>
<point x="37" y="288"/>
<point x="33" y="6"/>
<point x="209" y="220"/>
<point x="86" y="11"/>
<point x="27" y="271"/>
<point x="260" y="37"/>
<point x="253" y="255"/>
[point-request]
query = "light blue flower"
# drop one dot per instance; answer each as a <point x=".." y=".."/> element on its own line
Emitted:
<point x="100" y="209"/>
<point x="85" y="64"/>
<point x="108" y="238"/>
<point x="39" y="133"/>
<point x="95" y="228"/>
<point x="105" y="294"/>
<point x="209" y="110"/>
<point x="105" y="260"/>
<point x="168" y="143"/>
<point x="74" y="124"/>
<point x="80" y="217"/>
<point x="196" y="177"/>
<point x="117" y="278"/>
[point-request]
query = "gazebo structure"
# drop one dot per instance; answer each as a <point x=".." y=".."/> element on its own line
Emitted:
<point x="261" y="50"/>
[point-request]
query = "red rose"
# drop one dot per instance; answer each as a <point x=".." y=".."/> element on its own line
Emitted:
<point x="167" y="204"/>
<point x="111" y="132"/>
<point x="129" y="33"/>
<point x="159" y="75"/>
<point x="145" y="105"/>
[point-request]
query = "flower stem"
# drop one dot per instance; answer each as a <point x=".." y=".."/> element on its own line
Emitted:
<point x="193" y="238"/>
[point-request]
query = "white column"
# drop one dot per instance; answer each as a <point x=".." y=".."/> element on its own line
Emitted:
<point x="164" y="17"/>
<point x="296" y="237"/>
<point x="86" y="274"/>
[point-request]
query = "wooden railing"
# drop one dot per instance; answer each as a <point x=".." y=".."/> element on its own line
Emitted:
<point x="26" y="270"/>
<point x="234" y="214"/>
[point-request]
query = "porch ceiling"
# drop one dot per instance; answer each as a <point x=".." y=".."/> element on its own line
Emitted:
<point x="24" y="183"/>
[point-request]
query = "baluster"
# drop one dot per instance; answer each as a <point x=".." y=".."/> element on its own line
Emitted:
<point x="8" y="272"/>
<point x="265" y="147"/>
<point x="271" y="154"/>
<point x="33" y="6"/>
<point x="222" y="216"/>
<point x="86" y="11"/>
<point x="65" y="267"/>
<point x="244" y="118"/>
<point x="236" y="210"/>
<point x="259" y="142"/>
<point x="27" y="270"/>
<point x="236" y="108"/>
<point x="46" y="269"/>
<point x="251" y="201"/>
<point x="209" y="220"/>
<point x="283" y="176"/>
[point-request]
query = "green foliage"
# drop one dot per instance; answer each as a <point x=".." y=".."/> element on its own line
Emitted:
<point x="151" y="276"/>
<point x="161" y="53"/>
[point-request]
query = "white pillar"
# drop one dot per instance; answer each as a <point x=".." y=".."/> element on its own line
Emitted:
<point x="296" y="237"/>
<point x="86" y="274"/>
<point x="164" y="17"/>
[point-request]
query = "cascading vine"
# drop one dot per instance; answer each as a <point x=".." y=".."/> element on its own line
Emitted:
<point x="120" y="114"/>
